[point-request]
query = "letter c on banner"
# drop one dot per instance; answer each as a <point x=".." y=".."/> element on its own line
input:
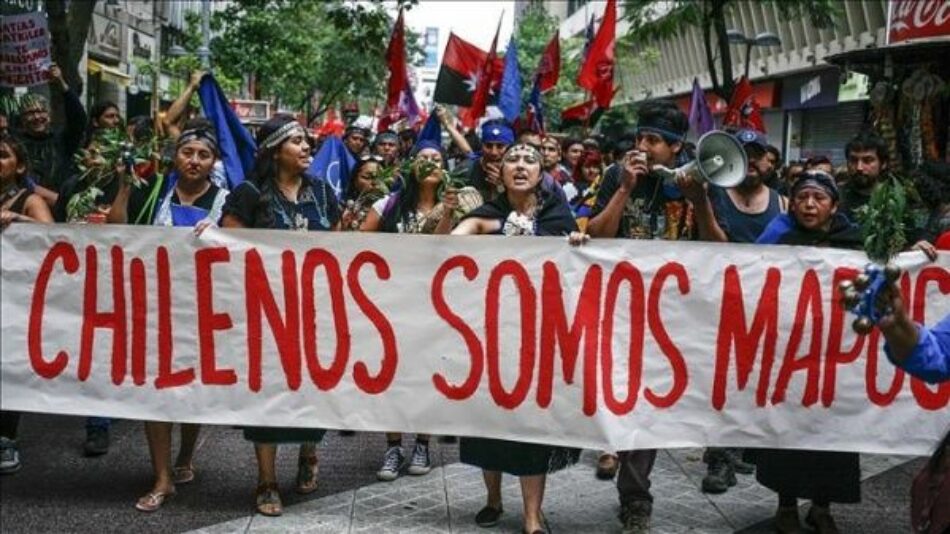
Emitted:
<point x="46" y="369"/>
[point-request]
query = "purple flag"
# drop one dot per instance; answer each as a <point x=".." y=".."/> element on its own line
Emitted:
<point x="700" y="118"/>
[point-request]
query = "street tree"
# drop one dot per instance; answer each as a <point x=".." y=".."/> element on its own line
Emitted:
<point x="69" y="24"/>
<point x="651" y="21"/>
<point x="297" y="49"/>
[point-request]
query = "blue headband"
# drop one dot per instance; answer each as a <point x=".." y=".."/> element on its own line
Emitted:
<point x="497" y="133"/>
<point x="668" y="136"/>
<point x="426" y="143"/>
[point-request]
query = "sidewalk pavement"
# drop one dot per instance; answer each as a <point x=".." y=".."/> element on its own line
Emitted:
<point x="447" y="499"/>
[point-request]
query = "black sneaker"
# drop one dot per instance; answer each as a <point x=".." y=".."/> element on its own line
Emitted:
<point x="635" y="517"/>
<point x="719" y="477"/>
<point x="97" y="442"/>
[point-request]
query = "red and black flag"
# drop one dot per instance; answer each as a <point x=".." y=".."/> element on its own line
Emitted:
<point x="458" y="76"/>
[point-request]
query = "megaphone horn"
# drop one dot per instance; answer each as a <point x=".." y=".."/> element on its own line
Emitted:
<point x="720" y="160"/>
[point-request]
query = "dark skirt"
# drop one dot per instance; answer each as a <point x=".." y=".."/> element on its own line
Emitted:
<point x="278" y="434"/>
<point x="820" y="475"/>
<point x="516" y="458"/>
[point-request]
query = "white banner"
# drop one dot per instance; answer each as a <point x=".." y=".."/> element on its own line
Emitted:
<point x="621" y="344"/>
<point x="24" y="50"/>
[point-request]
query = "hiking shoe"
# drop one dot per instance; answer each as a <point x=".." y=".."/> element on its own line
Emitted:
<point x="9" y="457"/>
<point x="420" y="463"/>
<point x="739" y="465"/>
<point x="392" y="463"/>
<point x="635" y="517"/>
<point x="97" y="441"/>
<point x="719" y="476"/>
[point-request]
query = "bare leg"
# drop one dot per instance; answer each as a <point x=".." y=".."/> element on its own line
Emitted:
<point x="493" y="486"/>
<point x="266" y="456"/>
<point x="159" y="436"/>
<point x="532" y="494"/>
<point x="189" y="438"/>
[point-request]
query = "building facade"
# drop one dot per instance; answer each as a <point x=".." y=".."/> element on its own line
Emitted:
<point x="810" y="107"/>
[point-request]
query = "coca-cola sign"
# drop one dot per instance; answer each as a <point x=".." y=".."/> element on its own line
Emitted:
<point x="919" y="19"/>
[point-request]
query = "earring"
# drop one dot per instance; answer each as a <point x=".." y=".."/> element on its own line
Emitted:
<point x="499" y="187"/>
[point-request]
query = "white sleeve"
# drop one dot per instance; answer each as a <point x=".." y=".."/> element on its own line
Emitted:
<point x="380" y="205"/>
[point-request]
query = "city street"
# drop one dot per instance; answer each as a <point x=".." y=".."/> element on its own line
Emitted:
<point x="60" y="491"/>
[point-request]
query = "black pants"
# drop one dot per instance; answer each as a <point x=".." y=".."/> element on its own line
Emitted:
<point x="633" y="477"/>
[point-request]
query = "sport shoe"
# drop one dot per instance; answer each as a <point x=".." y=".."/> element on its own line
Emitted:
<point x="635" y="517"/>
<point x="739" y="465"/>
<point x="97" y="441"/>
<point x="719" y="476"/>
<point x="9" y="457"/>
<point x="392" y="463"/>
<point x="420" y="464"/>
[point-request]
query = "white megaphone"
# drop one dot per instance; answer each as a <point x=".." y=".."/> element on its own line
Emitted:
<point x="720" y="160"/>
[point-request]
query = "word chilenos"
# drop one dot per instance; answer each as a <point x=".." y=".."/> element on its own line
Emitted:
<point x="747" y="344"/>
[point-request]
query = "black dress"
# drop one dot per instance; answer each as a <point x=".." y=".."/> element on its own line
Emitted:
<point x="514" y="457"/>
<point x="827" y="476"/>
<point x="316" y="209"/>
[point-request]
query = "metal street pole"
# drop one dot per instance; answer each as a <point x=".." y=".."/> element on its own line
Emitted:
<point x="748" y="55"/>
<point x="204" y="53"/>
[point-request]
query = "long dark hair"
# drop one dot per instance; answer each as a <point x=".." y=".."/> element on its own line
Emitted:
<point x="407" y="199"/>
<point x="21" y="155"/>
<point x="264" y="173"/>
<point x="94" y="115"/>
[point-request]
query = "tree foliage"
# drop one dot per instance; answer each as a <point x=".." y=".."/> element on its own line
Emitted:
<point x="651" y="21"/>
<point x="535" y="28"/>
<point x="295" y="49"/>
<point x="534" y="31"/>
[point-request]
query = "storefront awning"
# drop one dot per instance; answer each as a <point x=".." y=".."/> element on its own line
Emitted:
<point x="871" y="60"/>
<point x="109" y="74"/>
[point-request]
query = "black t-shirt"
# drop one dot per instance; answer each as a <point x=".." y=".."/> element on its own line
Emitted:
<point x="316" y="207"/>
<point x="652" y="211"/>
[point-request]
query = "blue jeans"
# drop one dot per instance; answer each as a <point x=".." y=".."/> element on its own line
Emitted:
<point x="98" y="423"/>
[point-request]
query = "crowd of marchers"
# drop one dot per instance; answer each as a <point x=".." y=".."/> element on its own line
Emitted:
<point x="492" y="180"/>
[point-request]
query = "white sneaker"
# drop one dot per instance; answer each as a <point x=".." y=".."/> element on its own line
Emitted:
<point x="392" y="463"/>
<point x="420" y="464"/>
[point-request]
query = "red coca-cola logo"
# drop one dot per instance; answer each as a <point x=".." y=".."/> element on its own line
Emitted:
<point x="916" y="19"/>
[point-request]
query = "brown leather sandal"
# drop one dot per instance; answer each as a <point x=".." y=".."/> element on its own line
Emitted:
<point x="307" y="470"/>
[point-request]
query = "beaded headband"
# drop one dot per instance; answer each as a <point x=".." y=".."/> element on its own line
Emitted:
<point x="282" y="134"/>
<point x="197" y="134"/>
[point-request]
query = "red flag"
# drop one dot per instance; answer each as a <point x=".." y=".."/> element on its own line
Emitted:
<point x="396" y="59"/>
<point x="485" y="78"/>
<point x="597" y="73"/>
<point x="549" y="68"/>
<point x="743" y="111"/>
<point x="579" y="112"/>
